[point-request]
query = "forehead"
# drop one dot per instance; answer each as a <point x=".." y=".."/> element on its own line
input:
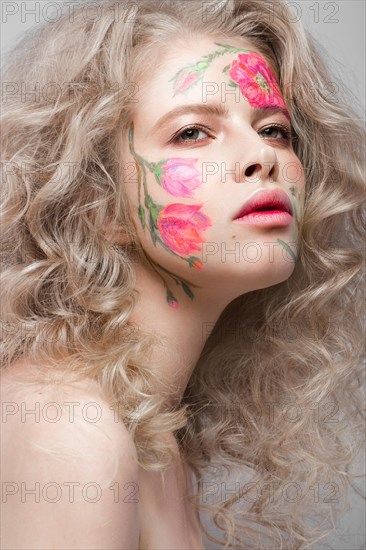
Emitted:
<point x="179" y="54"/>
<point x="184" y="70"/>
<point x="195" y="47"/>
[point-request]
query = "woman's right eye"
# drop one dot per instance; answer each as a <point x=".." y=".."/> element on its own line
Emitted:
<point x="190" y="134"/>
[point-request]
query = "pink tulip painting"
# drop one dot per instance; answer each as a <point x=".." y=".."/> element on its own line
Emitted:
<point x="178" y="176"/>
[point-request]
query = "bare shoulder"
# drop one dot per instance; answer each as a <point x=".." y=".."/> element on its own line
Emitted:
<point x="61" y="411"/>
<point x="69" y="468"/>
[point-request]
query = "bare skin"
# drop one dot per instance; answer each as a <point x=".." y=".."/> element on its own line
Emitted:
<point x="134" y="511"/>
<point x="234" y="141"/>
<point x="237" y="140"/>
<point x="165" y="520"/>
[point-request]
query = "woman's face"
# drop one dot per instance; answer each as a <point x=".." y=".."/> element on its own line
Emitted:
<point x="200" y="146"/>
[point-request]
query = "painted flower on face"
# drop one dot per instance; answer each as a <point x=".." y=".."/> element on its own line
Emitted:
<point x="188" y="222"/>
<point x="191" y="74"/>
<point x="178" y="176"/>
<point x="256" y="80"/>
<point x="180" y="227"/>
<point x="188" y="76"/>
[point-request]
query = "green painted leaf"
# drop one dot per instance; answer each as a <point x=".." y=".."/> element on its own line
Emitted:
<point x="156" y="167"/>
<point x="154" y="237"/>
<point x="231" y="49"/>
<point x="170" y="294"/>
<point x="201" y="66"/>
<point x="288" y="248"/>
<point x="152" y="230"/>
<point x="188" y="291"/>
<point x="141" y="212"/>
<point x="157" y="177"/>
<point x="153" y="208"/>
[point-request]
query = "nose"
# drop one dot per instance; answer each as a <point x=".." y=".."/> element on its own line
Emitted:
<point x="262" y="165"/>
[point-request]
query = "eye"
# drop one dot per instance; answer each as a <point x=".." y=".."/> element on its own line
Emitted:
<point x="281" y="132"/>
<point x="191" y="133"/>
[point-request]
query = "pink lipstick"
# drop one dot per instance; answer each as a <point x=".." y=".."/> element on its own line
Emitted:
<point x="272" y="207"/>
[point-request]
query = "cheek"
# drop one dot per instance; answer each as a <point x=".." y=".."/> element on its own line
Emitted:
<point x="181" y="228"/>
<point x="176" y="227"/>
<point x="292" y="171"/>
<point x="178" y="176"/>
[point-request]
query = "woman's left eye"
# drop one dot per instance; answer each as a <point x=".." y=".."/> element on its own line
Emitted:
<point x="275" y="128"/>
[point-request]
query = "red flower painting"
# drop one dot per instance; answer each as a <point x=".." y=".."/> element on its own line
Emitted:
<point x="256" y="80"/>
<point x="180" y="227"/>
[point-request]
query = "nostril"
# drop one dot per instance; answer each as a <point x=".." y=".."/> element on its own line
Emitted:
<point x="249" y="171"/>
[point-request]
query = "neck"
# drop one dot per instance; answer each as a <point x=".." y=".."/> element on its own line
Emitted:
<point x="184" y="329"/>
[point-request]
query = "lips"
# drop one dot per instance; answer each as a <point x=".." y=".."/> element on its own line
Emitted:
<point x="262" y="200"/>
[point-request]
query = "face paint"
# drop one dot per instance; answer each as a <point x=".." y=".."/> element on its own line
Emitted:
<point x="176" y="227"/>
<point x="191" y="74"/>
<point x="180" y="227"/>
<point x="295" y="202"/>
<point x="178" y="176"/>
<point x="249" y="71"/>
<point x="288" y="249"/>
<point x="256" y="80"/>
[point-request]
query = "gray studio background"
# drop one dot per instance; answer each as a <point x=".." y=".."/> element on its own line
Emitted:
<point x="339" y="28"/>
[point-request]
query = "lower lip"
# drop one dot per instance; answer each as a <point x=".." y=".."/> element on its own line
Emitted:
<point x="266" y="217"/>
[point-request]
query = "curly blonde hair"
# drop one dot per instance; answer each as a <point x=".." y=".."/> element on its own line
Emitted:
<point x="258" y="400"/>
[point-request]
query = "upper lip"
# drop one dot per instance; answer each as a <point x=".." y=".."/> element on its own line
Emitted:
<point x="275" y="198"/>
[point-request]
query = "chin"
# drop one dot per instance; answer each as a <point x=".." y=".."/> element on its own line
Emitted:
<point x="270" y="274"/>
<point x="281" y="273"/>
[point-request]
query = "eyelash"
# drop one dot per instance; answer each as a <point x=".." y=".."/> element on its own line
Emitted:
<point x="277" y="126"/>
<point x="175" y="139"/>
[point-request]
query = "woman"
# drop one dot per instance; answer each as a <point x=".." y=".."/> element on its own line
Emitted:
<point x="182" y="229"/>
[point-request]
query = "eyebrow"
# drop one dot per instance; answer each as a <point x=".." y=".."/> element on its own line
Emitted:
<point x="196" y="108"/>
<point x="274" y="110"/>
<point x="219" y="110"/>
